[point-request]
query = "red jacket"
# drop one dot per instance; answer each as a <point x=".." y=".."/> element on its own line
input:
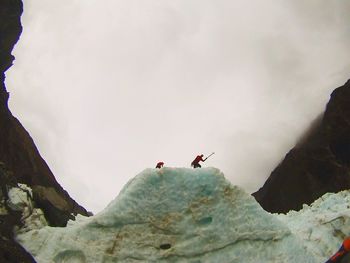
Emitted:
<point x="159" y="165"/>
<point x="198" y="159"/>
<point x="343" y="250"/>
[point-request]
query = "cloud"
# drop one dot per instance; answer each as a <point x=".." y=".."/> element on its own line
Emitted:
<point x="121" y="85"/>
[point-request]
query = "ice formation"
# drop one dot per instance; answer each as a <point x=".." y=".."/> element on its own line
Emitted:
<point x="20" y="199"/>
<point x="322" y="226"/>
<point x="187" y="215"/>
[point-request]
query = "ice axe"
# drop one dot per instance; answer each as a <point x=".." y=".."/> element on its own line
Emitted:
<point x="209" y="156"/>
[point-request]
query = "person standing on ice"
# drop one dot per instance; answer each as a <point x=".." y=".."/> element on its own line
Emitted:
<point x="159" y="165"/>
<point x="342" y="255"/>
<point x="196" y="161"/>
<point x="199" y="158"/>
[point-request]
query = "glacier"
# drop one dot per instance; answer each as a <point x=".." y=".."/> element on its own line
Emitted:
<point x="190" y="215"/>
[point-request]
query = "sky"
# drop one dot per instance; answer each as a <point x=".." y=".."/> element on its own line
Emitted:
<point x="109" y="88"/>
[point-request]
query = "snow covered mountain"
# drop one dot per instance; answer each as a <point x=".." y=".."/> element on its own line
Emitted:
<point x="190" y="215"/>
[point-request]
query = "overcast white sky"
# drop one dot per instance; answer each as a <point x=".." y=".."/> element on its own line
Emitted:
<point x="109" y="88"/>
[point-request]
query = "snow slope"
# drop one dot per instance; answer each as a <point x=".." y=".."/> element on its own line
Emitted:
<point x="172" y="215"/>
<point x="190" y="215"/>
<point x="322" y="226"/>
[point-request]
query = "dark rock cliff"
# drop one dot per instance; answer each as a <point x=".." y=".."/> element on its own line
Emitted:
<point x="19" y="154"/>
<point x="320" y="163"/>
<point x="10" y="251"/>
<point x="17" y="149"/>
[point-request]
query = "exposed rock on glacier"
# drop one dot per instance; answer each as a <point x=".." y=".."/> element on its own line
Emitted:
<point x="318" y="164"/>
<point x="172" y="215"/>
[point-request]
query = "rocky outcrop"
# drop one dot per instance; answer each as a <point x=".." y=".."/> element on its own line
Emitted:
<point x="17" y="149"/>
<point x="10" y="251"/>
<point x="10" y="30"/>
<point x="320" y="163"/>
<point x="20" y="156"/>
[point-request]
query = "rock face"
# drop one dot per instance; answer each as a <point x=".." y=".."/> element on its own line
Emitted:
<point x="17" y="149"/>
<point x="317" y="165"/>
<point x="10" y="251"/>
<point x="10" y="29"/>
<point x="20" y="156"/>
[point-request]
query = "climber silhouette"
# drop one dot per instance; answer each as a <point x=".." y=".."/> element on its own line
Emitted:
<point x="159" y="165"/>
<point x="195" y="162"/>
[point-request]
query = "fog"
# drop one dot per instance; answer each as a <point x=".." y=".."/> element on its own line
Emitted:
<point x="109" y="88"/>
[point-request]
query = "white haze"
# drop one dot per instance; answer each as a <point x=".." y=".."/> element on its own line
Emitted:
<point x="108" y="88"/>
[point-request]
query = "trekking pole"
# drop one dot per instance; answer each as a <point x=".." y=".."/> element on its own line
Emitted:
<point x="209" y="155"/>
